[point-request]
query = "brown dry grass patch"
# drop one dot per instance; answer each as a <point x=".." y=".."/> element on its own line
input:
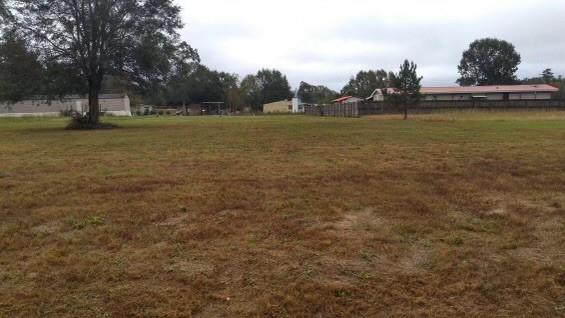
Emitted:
<point x="444" y="215"/>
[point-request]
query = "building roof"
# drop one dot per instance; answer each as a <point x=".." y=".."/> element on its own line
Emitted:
<point x="379" y="91"/>
<point x="342" y="99"/>
<point x="489" y="89"/>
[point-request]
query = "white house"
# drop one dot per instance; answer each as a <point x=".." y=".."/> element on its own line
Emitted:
<point x="112" y="104"/>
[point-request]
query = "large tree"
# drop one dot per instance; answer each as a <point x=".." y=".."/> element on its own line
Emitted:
<point x="489" y="62"/>
<point x="408" y="85"/>
<point x="365" y="82"/>
<point x="136" y="39"/>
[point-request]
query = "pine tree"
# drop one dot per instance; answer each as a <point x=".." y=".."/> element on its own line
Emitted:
<point x="408" y="85"/>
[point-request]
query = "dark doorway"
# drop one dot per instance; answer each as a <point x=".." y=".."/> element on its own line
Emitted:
<point x="506" y="96"/>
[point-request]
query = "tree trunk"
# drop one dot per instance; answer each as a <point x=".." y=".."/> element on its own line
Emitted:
<point x="93" y="103"/>
<point x="405" y="111"/>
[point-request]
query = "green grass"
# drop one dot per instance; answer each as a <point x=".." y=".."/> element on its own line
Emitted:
<point x="456" y="214"/>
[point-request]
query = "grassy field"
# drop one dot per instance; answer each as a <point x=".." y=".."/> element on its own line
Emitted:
<point x="284" y="216"/>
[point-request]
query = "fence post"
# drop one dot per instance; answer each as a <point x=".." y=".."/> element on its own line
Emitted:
<point x="356" y="110"/>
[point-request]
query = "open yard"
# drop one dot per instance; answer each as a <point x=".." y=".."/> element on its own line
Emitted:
<point x="284" y="216"/>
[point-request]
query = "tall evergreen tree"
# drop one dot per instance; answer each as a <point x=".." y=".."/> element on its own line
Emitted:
<point x="548" y="76"/>
<point x="408" y="85"/>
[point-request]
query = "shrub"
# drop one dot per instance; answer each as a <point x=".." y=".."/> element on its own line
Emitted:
<point x="80" y="121"/>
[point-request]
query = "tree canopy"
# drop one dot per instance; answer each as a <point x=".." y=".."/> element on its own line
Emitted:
<point x="489" y="62"/>
<point x="313" y="94"/>
<point x="21" y="73"/>
<point x="266" y="86"/>
<point x="365" y="82"/>
<point x="196" y="83"/>
<point x="252" y="91"/>
<point x="274" y="86"/>
<point x="134" y="39"/>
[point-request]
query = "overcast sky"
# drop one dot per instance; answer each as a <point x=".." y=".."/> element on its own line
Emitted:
<point x="327" y="41"/>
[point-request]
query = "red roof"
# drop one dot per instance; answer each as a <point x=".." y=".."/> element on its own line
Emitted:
<point x="341" y="99"/>
<point x="489" y="89"/>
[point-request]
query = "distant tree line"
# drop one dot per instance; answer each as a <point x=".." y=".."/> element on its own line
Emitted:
<point x="406" y="84"/>
<point x="196" y="83"/>
<point x="546" y="77"/>
<point x="56" y="48"/>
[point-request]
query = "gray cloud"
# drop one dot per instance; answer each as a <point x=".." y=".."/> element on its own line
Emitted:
<point x="322" y="43"/>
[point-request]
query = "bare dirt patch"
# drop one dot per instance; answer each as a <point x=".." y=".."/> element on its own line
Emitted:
<point x="416" y="260"/>
<point x="47" y="228"/>
<point x="358" y="220"/>
<point x="174" y="221"/>
<point x="355" y="224"/>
